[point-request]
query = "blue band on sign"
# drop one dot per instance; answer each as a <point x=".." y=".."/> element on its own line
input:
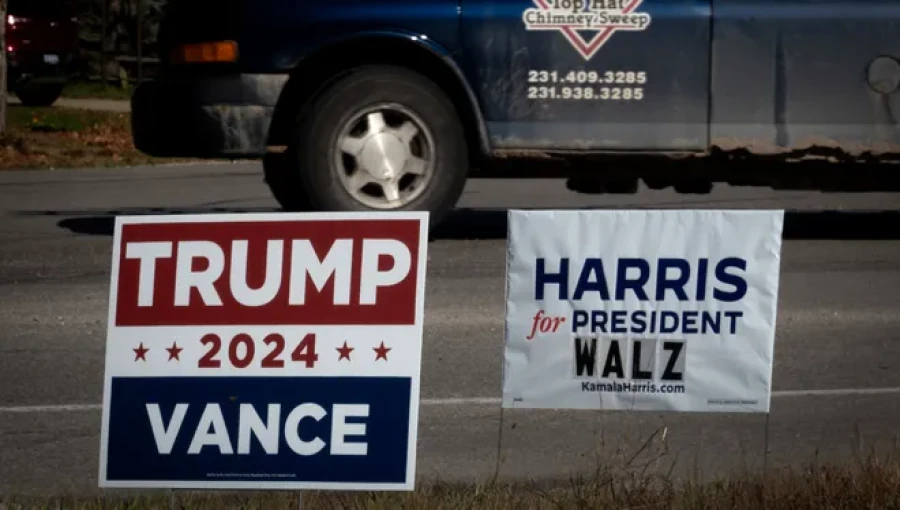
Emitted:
<point x="339" y="429"/>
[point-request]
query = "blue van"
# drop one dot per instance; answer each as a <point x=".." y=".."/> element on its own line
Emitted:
<point x="393" y="104"/>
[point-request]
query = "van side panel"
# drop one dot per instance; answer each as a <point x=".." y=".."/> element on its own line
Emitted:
<point x="543" y="84"/>
<point x="793" y="74"/>
<point x="278" y="34"/>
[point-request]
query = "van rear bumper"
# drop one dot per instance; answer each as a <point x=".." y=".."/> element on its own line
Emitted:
<point x="205" y="117"/>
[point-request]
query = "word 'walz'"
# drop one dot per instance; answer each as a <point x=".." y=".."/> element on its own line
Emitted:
<point x="636" y="359"/>
<point x="244" y="276"/>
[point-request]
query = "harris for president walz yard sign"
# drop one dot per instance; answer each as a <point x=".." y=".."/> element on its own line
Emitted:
<point x="264" y="351"/>
<point x="667" y="310"/>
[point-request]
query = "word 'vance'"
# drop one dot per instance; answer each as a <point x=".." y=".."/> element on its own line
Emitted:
<point x="212" y="431"/>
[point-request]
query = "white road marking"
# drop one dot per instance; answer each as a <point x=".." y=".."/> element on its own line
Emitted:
<point x="481" y="401"/>
<point x="461" y="401"/>
<point x="51" y="408"/>
<point x="845" y="392"/>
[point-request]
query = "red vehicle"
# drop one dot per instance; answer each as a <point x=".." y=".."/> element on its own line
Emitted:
<point x="41" y="41"/>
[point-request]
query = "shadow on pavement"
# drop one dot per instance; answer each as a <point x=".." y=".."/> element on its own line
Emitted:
<point x="798" y="225"/>
<point x="475" y="224"/>
<point x="102" y="223"/>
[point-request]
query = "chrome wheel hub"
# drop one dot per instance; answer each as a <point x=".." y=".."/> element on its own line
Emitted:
<point x="385" y="156"/>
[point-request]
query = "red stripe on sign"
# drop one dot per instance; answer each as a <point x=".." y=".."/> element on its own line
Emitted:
<point x="268" y="273"/>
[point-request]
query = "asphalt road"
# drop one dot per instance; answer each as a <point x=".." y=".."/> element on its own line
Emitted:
<point x="837" y="368"/>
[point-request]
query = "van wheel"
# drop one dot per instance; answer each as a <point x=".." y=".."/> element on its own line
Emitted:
<point x="38" y="95"/>
<point x="383" y="138"/>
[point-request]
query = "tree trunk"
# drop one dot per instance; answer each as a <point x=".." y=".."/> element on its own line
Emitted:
<point x="140" y="39"/>
<point x="104" y="38"/>
<point x="4" y="96"/>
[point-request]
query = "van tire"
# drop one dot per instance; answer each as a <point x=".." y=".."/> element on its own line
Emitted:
<point x="284" y="182"/>
<point x="439" y="141"/>
<point x="38" y="95"/>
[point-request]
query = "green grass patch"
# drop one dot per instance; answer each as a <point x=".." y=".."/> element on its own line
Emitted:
<point x="24" y="120"/>
<point x="96" y="90"/>
<point x="40" y="138"/>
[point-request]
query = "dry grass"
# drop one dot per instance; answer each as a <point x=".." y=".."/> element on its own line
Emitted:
<point x="64" y="138"/>
<point x="868" y="484"/>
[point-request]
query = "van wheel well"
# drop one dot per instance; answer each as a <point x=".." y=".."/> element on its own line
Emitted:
<point x="315" y="73"/>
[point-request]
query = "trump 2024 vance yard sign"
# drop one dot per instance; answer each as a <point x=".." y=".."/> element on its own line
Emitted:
<point x="264" y="351"/>
<point x="641" y="310"/>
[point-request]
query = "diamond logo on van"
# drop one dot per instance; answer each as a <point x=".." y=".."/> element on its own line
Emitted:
<point x="586" y="24"/>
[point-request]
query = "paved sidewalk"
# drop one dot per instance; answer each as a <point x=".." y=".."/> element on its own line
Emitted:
<point x="109" y="105"/>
